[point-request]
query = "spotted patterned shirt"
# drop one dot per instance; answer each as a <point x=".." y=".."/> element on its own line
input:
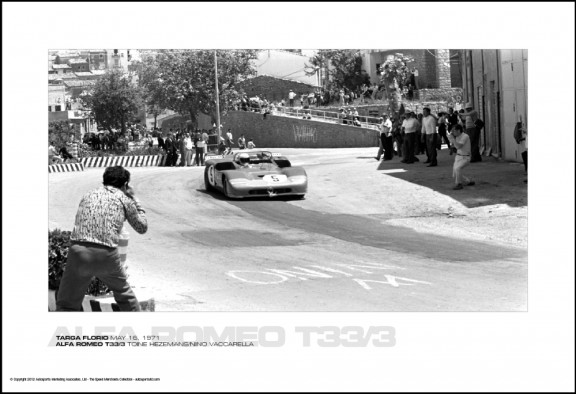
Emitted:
<point x="102" y="213"/>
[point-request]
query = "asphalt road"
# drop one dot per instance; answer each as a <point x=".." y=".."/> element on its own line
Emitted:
<point x="333" y="251"/>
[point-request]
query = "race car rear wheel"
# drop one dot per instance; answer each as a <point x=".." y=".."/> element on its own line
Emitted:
<point x="207" y="184"/>
<point x="225" y="186"/>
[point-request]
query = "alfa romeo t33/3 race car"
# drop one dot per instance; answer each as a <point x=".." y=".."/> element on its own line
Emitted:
<point x="254" y="173"/>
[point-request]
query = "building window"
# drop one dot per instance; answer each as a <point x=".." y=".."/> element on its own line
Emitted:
<point x="58" y="108"/>
<point x="49" y="109"/>
<point x="378" y="72"/>
<point x="101" y="56"/>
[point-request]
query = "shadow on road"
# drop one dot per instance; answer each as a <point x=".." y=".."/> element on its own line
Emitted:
<point x="497" y="181"/>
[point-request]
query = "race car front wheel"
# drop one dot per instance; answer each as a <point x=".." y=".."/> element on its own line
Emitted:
<point x="207" y="183"/>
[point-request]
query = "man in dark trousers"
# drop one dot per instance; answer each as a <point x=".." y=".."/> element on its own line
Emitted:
<point x="93" y="251"/>
<point x="171" y="151"/>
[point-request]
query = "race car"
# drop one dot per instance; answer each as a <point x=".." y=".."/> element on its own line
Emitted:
<point x="254" y="173"/>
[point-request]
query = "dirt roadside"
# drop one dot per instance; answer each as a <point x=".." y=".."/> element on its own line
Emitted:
<point x="495" y="209"/>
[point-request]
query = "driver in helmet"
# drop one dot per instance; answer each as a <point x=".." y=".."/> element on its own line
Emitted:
<point x="243" y="160"/>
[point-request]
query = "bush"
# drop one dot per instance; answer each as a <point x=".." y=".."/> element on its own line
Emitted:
<point x="58" y="245"/>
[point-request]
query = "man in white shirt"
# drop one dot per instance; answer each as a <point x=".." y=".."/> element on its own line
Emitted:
<point x="291" y="96"/>
<point x="409" y="127"/>
<point x="189" y="150"/>
<point x="462" y="142"/>
<point x="429" y="135"/>
<point x="469" y="118"/>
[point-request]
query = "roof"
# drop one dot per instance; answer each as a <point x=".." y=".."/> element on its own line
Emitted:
<point x="98" y="72"/>
<point x="71" y="83"/>
<point x="84" y="74"/>
<point x="68" y="76"/>
<point x="60" y="66"/>
<point x="75" y="61"/>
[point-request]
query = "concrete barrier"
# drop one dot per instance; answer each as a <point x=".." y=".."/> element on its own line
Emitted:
<point x="288" y="132"/>
<point x="65" y="167"/>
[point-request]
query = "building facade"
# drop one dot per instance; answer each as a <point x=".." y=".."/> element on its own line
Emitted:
<point x="286" y="65"/>
<point x="433" y="68"/>
<point x="495" y="82"/>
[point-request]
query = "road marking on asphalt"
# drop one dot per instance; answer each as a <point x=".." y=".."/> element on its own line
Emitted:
<point x="274" y="276"/>
<point x="390" y="280"/>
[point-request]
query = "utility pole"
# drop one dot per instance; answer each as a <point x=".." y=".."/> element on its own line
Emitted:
<point x="217" y="96"/>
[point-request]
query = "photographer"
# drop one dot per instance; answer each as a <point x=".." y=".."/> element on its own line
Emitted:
<point x="461" y="142"/>
<point x="94" y="242"/>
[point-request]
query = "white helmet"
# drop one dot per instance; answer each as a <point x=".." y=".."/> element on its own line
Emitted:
<point x="243" y="158"/>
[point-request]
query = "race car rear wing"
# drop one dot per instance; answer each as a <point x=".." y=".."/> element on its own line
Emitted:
<point x="210" y="157"/>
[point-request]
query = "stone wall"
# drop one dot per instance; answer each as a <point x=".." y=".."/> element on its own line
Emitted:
<point x="286" y="132"/>
<point x="443" y="68"/>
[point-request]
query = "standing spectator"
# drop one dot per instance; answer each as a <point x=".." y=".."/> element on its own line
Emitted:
<point x="388" y="139"/>
<point x="469" y="117"/>
<point x="430" y="137"/>
<point x="53" y="157"/>
<point x="72" y="146"/>
<point x="442" y="136"/>
<point x="311" y="98"/>
<point x="229" y="140"/>
<point x="94" y="242"/>
<point x="241" y="142"/>
<point x="420" y="146"/>
<point x="205" y="139"/>
<point x="452" y="119"/>
<point x="303" y="98"/>
<point x="189" y="146"/>
<point x="521" y="137"/>
<point x="161" y="141"/>
<point x="171" y="151"/>
<point x="341" y="97"/>
<point x="327" y="97"/>
<point x="381" y="138"/>
<point x="251" y="144"/>
<point x="182" y="149"/>
<point x="150" y="142"/>
<point x="409" y="127"/>
<point x="200" y="146"/>
<point x="397" y="134"/>
<point x="291" y="96"/>
<point x="461" y="141"/>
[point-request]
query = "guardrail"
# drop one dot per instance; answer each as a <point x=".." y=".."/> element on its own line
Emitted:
<point x="367" y="122"/>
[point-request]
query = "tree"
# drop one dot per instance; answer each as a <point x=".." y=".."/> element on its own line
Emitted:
<point x="342" y="66"/>
<point x="59" y="133"/>
<point x="149" y="81"/>
<point x="395" y="75"/>
<point x="184" y="80"/>
<point x="113" y="101"/>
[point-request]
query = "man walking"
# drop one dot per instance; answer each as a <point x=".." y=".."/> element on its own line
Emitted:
<point x="94" y="242"/>
<point x="430" y="136"/>
<point x="469" y="118"/>
<point x="462" y="142"/>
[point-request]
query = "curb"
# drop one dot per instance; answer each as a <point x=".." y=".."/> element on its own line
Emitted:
<point x="100" y="304"/>
<point x="65" y="167"/>
<point x="125" y="161"/>
<point x="107" y="304"/>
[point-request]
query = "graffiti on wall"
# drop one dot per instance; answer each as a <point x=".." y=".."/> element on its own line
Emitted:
<point x="305" y="133"/>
